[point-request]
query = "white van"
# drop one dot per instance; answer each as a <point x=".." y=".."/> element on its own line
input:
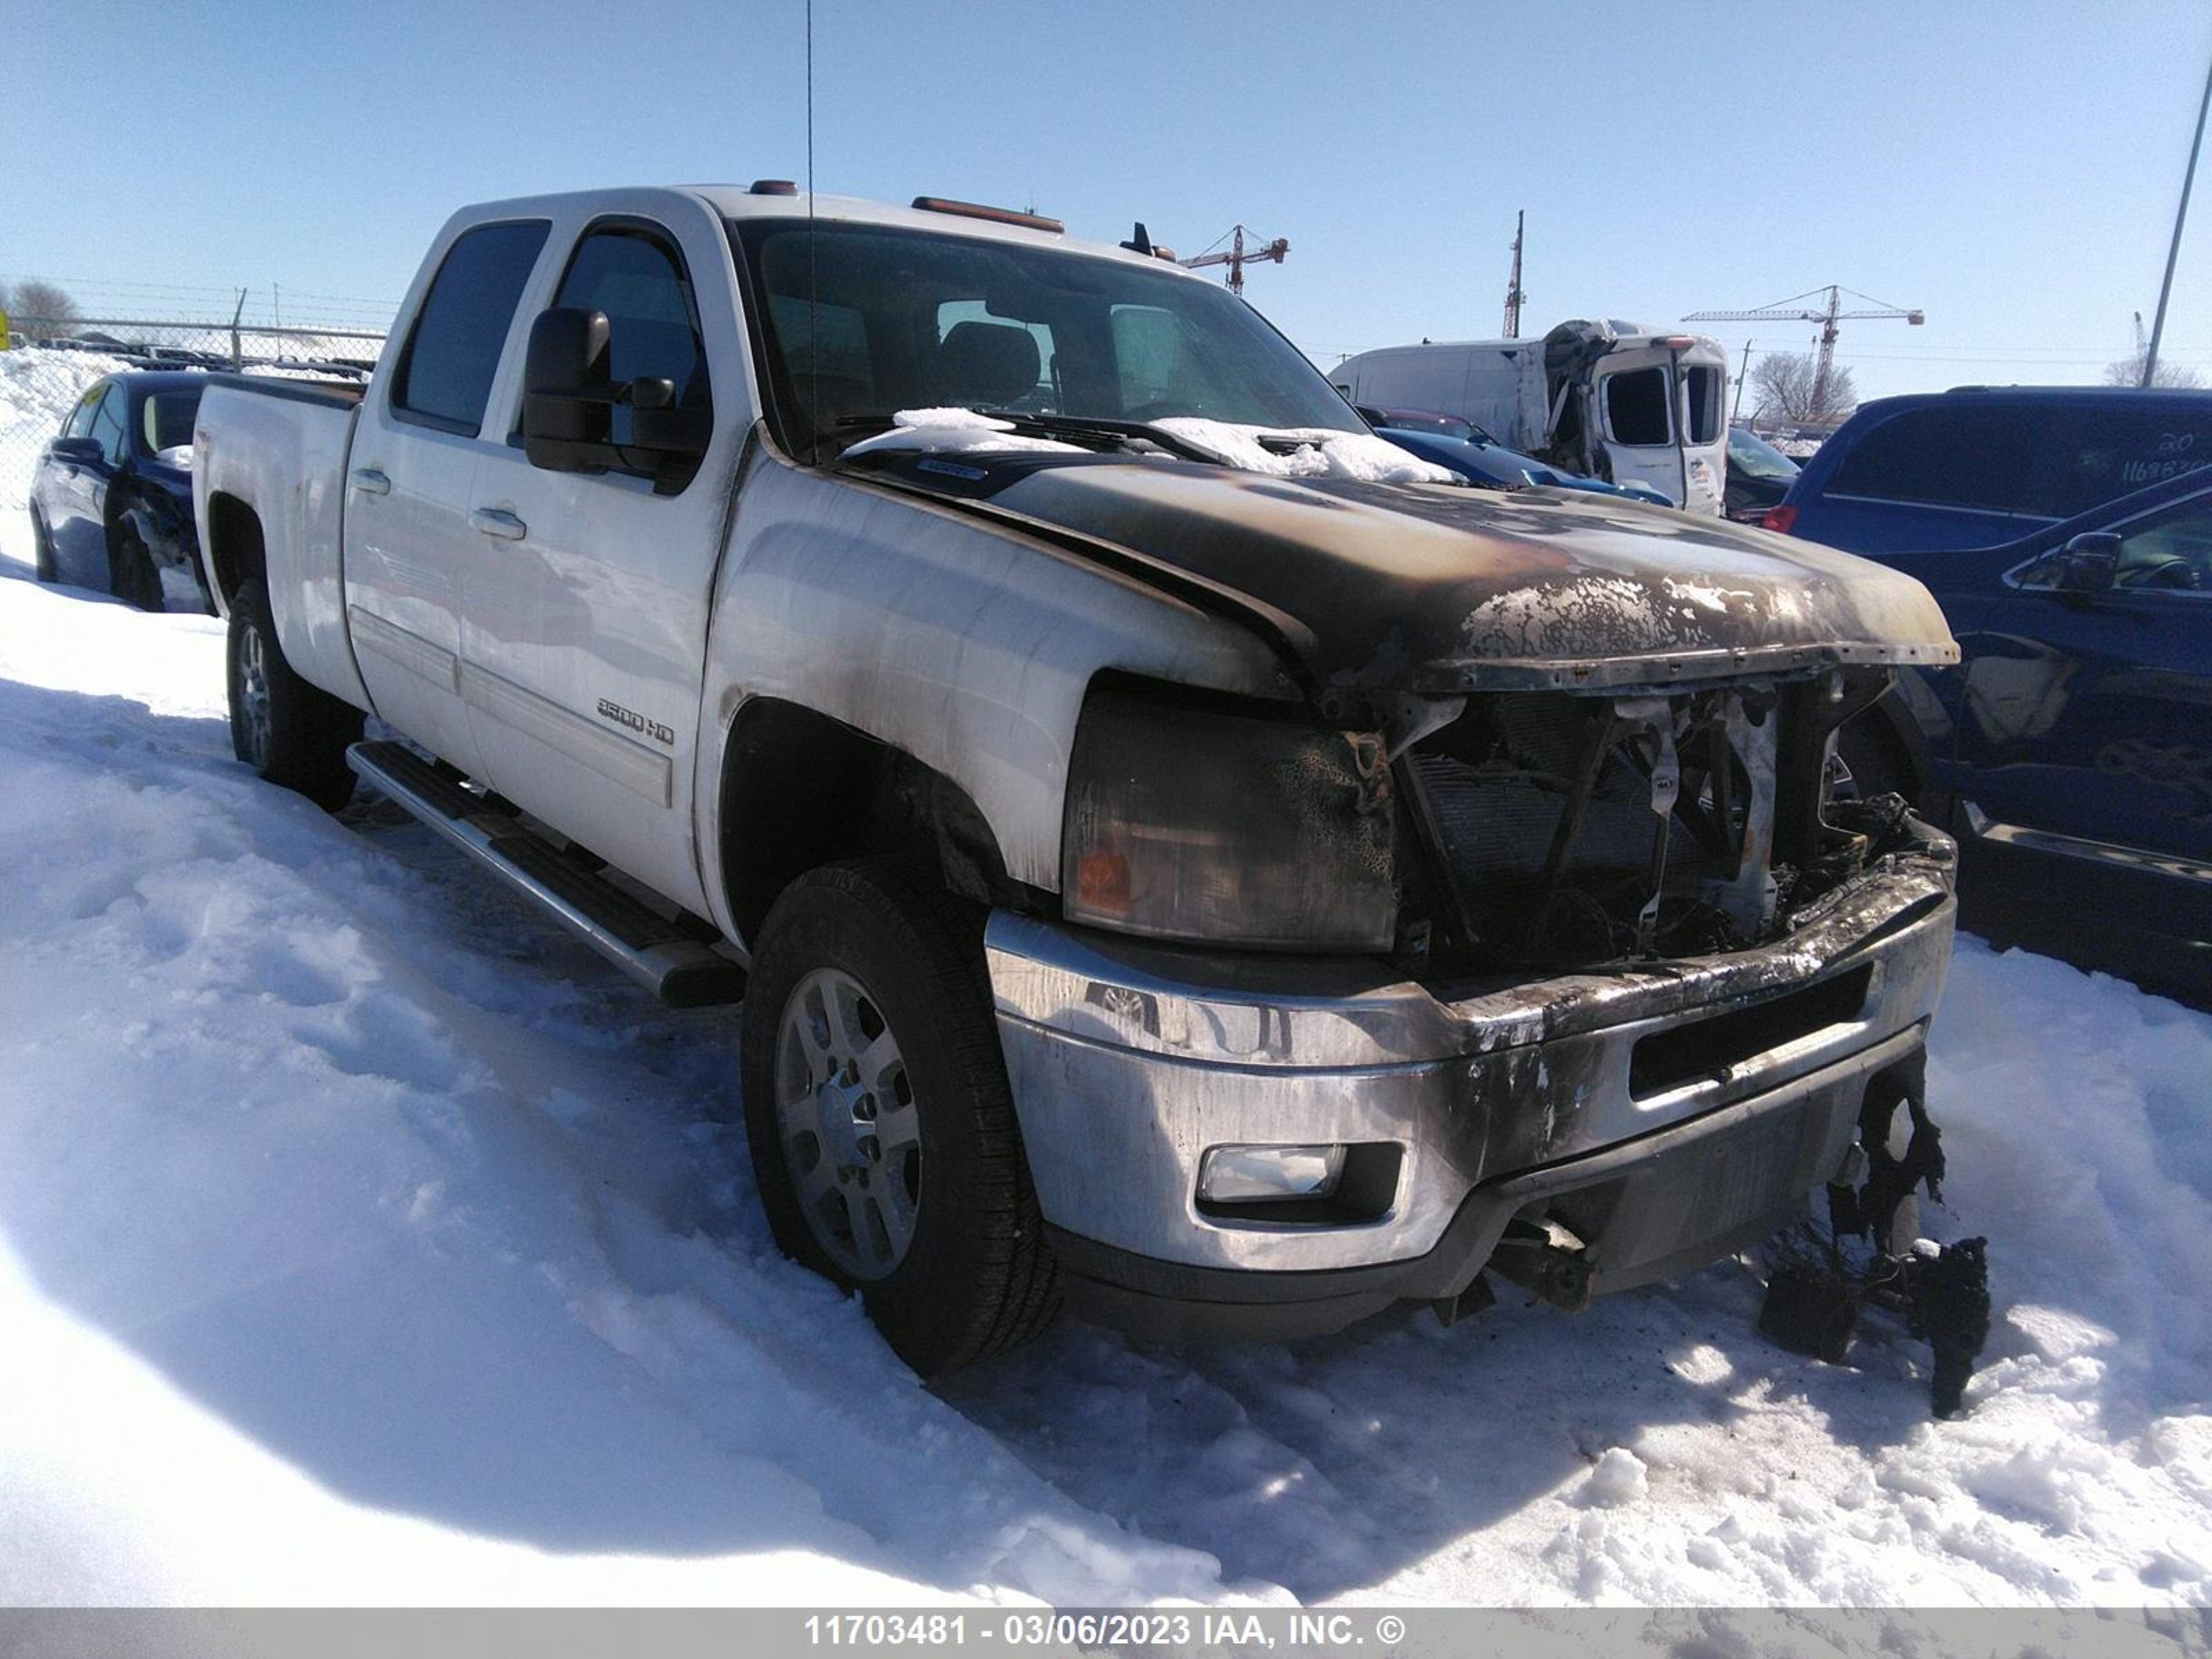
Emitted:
<point x="1607" y="399"/>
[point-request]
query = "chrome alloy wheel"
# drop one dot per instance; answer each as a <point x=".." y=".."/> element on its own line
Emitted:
<point x="254" y="695"/>
<point x="851" y="1138"/>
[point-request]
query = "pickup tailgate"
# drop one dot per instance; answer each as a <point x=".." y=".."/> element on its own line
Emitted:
<point x="269" y="487"/>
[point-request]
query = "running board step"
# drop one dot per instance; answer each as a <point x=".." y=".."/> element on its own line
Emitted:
<point x="668" y="957"/>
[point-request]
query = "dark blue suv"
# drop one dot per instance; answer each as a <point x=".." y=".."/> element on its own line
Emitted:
<point x="2070" y="750"/>
<point x="1982" y="465"/>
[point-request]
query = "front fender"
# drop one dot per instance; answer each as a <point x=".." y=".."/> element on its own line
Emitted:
<point x="967" y="645"/>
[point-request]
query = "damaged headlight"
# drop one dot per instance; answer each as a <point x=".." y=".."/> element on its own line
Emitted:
<point x="1210" y="823"/>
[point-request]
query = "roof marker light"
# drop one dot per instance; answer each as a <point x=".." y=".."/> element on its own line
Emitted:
<point x="996" y="216"/>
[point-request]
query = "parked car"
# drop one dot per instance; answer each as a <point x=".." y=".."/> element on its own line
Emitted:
<point x="112" y="493"/>
<point x="1240" y="895"/>
<point x="1979" y="466"/>
<point x="2071" y="749"/>
<point x="1602" y="399"/>
<point x="1759" y="475"/>
<point x="1481" y="459"/>
<point x="1420" y="420"/>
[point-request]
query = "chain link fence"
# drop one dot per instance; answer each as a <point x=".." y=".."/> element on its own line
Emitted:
<point x="52" y="361"/>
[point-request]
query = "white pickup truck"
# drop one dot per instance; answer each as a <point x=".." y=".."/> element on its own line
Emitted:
<point x="1172" y="851"/>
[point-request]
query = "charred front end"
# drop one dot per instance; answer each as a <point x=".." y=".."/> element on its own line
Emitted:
<point x="1545" y="830"/>
<point x="1549" y="939"/>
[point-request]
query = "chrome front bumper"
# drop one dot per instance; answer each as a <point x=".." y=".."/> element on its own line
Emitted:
<point x="1128" y="1062"/>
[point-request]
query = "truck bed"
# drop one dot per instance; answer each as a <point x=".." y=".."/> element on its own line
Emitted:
<point x="277" y="449"/>
<point x="342" y="394"/>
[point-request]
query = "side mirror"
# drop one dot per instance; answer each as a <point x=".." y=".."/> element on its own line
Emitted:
<point x="569" y="403"/>
<point x="567" y="399"/>
<point x="75" y="449"/>
<point x="2089" y="562"/>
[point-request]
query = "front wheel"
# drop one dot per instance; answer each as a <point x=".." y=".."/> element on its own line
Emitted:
<point x="882" y="1127"/>
<point x="290" y="731"/>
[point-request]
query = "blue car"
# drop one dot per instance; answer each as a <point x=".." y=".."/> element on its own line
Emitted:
<point x="111" y="494"/>
<point x="1982" y="465"/>
<point x="2070" y="750"/>
<point x="1476" y="456"/>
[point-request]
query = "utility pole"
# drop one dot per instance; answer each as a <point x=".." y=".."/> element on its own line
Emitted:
<point x="237" y="357"/>
<point x="1741" y="375"/>
<point x="1513" y="294"/>
<point x="1237" y="255"/>
<point x="2173" y="248"/>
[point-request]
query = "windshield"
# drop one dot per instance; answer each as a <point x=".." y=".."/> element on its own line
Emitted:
<point x="1752" y="456"/>
<point x="911" y="319"/>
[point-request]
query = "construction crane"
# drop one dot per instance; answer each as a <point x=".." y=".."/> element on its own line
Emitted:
<point x="1514" y="297"/>
<point x="1790" y="310"/>
<point x="1236" y="256"/>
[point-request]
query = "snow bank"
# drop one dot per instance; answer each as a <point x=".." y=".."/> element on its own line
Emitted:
<point x="363" y="1240"/>
<point x="39" y="386"/>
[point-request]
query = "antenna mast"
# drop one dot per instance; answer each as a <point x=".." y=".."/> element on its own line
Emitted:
<point x="1513" y="294"/>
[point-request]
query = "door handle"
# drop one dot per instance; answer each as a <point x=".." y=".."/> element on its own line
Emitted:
<point x="494" y="522"/>
<point x="370" y="482"/>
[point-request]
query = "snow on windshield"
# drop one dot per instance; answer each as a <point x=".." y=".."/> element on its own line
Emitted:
<point x="1308" y="452"/>
<point x="1288" y="452"/>
<point x="958" y="431"/>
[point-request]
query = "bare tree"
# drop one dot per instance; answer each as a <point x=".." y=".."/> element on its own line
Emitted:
<point x="1785" y="386"/>
<point x="2128" y="372"/>
<point x="53" y="309"/>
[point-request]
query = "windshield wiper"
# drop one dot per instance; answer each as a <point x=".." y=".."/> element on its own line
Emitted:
<point x="1128" y="434"/>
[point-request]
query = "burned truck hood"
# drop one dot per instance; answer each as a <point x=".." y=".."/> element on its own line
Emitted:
<point x="1438" y="589"/>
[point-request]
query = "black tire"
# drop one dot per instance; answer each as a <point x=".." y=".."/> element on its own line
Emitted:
<point x="294" y="733"/>
<point x="131" y="576"/>
<point x="42" y="550"/>
<point x="977" y="1276"/>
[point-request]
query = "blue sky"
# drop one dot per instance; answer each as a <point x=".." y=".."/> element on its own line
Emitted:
<point x="2011" y="168"/>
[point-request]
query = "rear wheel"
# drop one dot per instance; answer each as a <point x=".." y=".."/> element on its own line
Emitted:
<point x="132" y="574"/>
<point x="882" y="1128"/>
<point x="42" y="549"/>
<point x="290" y="731"/>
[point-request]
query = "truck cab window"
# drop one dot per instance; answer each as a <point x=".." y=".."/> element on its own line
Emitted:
<point x="1635" y="407"/>
<point x="1704" y="388"/>
<point x="652" y="324"/>
<point x="445" y="373"/>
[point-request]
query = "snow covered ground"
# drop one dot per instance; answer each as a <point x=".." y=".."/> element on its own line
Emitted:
<point x="364" y="1240"/>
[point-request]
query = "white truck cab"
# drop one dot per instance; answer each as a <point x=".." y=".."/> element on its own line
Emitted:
<point x="1627" y="405"/>
<point x="1174" y="850"/>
